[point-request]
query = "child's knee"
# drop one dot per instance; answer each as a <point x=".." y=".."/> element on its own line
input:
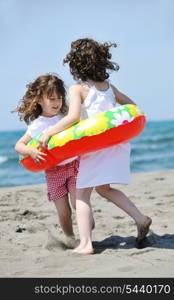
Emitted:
<point x="84" y="194"/>
<point x="102" y="190"/>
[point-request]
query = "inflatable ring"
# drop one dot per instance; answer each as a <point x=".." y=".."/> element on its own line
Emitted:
<point x="105" y="129"/>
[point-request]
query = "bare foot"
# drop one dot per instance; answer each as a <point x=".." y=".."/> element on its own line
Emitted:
<point x="143" y="229"/>
<point x="87" y="251"/>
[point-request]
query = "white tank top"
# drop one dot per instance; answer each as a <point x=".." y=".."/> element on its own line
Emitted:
<point x="97" y="101"/>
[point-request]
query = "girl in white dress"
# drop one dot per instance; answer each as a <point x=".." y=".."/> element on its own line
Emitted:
<point x="89" y="61"/>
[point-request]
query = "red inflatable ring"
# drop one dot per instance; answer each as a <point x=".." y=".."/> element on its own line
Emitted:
<point x="105" y="129"/>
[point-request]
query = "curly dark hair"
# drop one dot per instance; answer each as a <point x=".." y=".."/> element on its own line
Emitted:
<point x="89" y="59"/>
<point x="45" y="85"/>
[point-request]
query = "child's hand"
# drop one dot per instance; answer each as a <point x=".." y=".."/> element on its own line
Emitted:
<point x="37" y="155"/>
<point x="44" y="139"/>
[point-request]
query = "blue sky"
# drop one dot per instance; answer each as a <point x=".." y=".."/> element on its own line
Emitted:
<point x="36" y="35"/>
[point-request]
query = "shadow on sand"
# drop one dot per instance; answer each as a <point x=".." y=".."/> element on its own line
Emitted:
<point x="153" y="240"/>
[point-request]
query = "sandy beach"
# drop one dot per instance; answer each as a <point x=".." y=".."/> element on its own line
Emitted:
<point x="32" y="244"/>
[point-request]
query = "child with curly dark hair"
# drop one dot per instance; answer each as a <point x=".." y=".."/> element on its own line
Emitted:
<point x="89" y="62"/>
<point x="42" y="106"/>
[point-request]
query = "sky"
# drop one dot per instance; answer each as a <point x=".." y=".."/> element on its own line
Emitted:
<point x="36" y="35"/>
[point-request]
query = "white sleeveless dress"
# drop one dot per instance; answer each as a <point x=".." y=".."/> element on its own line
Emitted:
<point x="109" y="165"/>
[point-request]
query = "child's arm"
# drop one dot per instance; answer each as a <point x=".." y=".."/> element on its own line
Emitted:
<point x="71" y="118"/>
<point x="122" y="98"/>
<point x="22" y="148"/>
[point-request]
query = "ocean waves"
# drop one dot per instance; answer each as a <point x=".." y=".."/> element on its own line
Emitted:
<point x="151" y="151"/>
<point x="3" y="159"/>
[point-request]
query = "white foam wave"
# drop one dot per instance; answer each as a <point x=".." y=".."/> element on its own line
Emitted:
<point x="3" y="159"/>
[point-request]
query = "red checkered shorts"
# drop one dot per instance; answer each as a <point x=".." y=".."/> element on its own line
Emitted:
<point x="61" y="179"/>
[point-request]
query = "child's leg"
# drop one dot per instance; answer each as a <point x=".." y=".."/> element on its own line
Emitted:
<point x="64" y="215"/>
<point x="58" y="193"/>
<point x="72" y="194"/>
<point x="84" y="220"/>
<point x="122" y="201"/>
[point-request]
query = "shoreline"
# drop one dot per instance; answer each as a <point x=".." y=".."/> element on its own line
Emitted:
<point x="133" y="174"/>
<point x="29" y="224"/>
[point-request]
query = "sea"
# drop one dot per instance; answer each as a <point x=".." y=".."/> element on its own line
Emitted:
<point x="152" y="150"/>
